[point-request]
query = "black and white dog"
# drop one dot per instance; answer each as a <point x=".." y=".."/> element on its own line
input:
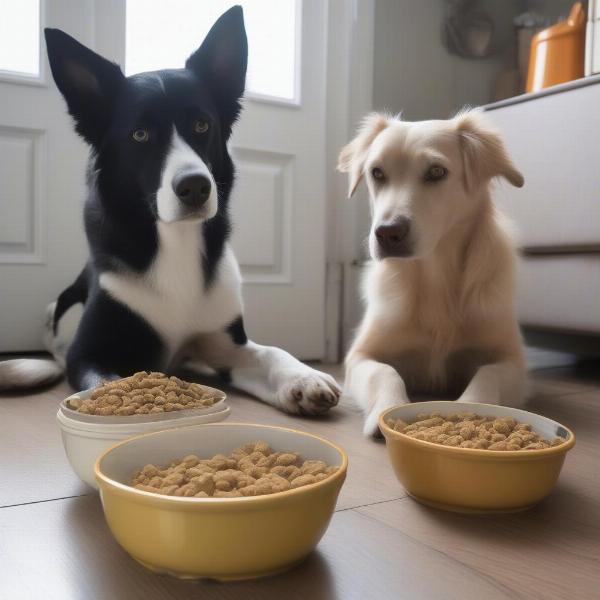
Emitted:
<point x="162" y="285"/>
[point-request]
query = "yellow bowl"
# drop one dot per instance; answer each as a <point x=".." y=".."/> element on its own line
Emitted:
<point x="473" y="480"/>
<point x="217" y="538"/>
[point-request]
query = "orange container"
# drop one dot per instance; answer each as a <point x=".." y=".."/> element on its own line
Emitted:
<point x="557" y="53"/>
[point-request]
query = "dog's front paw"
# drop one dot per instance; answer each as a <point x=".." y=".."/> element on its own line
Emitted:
<point x="307" y="393"/>
<point x="371" y="424"/>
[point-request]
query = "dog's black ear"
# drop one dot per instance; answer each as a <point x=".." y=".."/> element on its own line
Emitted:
<point x="88" y="82"/>
<point x="221" y="62"/>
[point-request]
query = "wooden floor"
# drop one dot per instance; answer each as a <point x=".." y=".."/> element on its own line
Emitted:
<point x="54" y="542"/>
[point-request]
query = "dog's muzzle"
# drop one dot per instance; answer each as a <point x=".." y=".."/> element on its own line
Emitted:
<point x="393" y="238"/>
<point x="192" y="188"/>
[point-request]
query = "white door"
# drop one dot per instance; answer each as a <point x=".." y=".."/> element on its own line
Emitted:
<point x="42" y="165"/>
<point x="279" y="203"/>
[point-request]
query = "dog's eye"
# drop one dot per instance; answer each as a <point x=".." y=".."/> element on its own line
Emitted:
<point x="141" y="135"/>
<point x="378" y="174"/>
<point x="201" y="126"/>
<point x="435" y="173"/>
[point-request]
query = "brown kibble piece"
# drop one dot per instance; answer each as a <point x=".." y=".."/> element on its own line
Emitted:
<point x="286" y="459"/>
<point x="313" y="467"/>
<point x="303" y="480"/>
<point x="290" y="472"/>
<point x="498" y="446"/>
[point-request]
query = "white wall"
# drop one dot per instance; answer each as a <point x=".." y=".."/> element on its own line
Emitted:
<point x="414" y="72"/>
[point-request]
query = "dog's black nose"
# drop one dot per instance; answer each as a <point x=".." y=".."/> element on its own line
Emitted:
<point x="393" y="237"/>
<point x="192" y="188"/>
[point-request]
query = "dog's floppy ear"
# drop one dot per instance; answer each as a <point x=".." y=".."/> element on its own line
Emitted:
<point x="87" y="81"/>
<point x="483" y="151"/>
<point x="222" y="60"/>
<point x="353" y="155"/>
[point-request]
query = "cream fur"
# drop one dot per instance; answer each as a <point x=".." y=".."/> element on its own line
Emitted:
<point x="443" y="319"/>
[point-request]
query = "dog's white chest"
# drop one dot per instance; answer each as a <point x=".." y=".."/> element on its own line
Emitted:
<point x="171" y="295"/>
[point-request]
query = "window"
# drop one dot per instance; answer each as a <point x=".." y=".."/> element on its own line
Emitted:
<point x="161" y="35"/>
<point x="20" y="37"/>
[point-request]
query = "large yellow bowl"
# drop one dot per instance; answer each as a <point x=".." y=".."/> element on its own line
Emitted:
<point x="217" y="538"/>
<point x="473" y="480"/>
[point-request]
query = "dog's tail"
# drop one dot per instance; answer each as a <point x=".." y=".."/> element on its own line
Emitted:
<point x="25" y="373"/>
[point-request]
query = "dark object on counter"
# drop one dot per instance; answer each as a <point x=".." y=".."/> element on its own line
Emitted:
<point x="468" y="30"/>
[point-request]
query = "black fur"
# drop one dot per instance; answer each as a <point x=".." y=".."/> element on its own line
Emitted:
<point x="123" y="345"/>
<point x="76" y="293"/>
<point x="124" y="176"/>
<point x="237" y="332"/>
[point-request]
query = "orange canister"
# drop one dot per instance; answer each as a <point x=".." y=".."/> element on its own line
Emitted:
<point x="558" y="53"/>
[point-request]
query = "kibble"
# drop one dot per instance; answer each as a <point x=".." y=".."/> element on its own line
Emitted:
<point x="469" y="430"/>
<point x="253" y="469"/>
<point x="144" y="393"/>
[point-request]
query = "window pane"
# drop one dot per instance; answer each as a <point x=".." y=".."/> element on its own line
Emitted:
<point x="20" y="36"/>
<point x="161" y="35"/>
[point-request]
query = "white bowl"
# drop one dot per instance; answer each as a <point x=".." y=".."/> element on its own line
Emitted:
<point x="85" y="437"/>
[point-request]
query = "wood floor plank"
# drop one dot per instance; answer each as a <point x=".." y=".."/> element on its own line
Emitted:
<point x="550" y="552"/>
<point x="63" y="549"/>
<point x="31" y="451"/>
<point x="578" y="378"/>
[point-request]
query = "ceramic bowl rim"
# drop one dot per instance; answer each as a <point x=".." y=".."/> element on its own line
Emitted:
<point x="108" y="420"/>
<point x="388" y="432"/>
<point x="175" y="501"/>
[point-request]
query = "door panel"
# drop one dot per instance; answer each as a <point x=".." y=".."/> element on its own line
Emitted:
<point x="42" y="166"/>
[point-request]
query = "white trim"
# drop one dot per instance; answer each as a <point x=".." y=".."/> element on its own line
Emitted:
<point x="21" y="78"/>
<point x="274" y="100"/>
<point x="349" y="97"/>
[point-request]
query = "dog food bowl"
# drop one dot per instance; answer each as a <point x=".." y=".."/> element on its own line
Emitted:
<point x="474" y="480"/>
<point x="85" y="437"/>
<point x="217" y="538"/>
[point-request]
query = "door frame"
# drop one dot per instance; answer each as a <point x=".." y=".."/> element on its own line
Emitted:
<point x="351" y="31"/>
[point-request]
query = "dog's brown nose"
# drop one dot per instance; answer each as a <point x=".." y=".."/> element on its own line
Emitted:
<point x="393" y="237"/>
<point x="192" y="188"/>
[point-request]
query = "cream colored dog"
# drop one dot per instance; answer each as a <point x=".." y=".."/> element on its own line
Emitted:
<point x="440" y="316"/>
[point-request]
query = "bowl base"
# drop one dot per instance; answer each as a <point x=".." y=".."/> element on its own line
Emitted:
<point x="220" y="577"/>
<point x="468" y="510"/>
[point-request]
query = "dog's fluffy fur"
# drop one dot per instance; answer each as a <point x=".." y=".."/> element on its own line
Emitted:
<point x="440" y="319"/>
<point x="162" y="285"/>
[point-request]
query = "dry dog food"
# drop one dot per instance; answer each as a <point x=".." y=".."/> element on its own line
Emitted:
<point x="251" y="470"/>
<point x="144" y="393"/>
<point x="468" y="430"/>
